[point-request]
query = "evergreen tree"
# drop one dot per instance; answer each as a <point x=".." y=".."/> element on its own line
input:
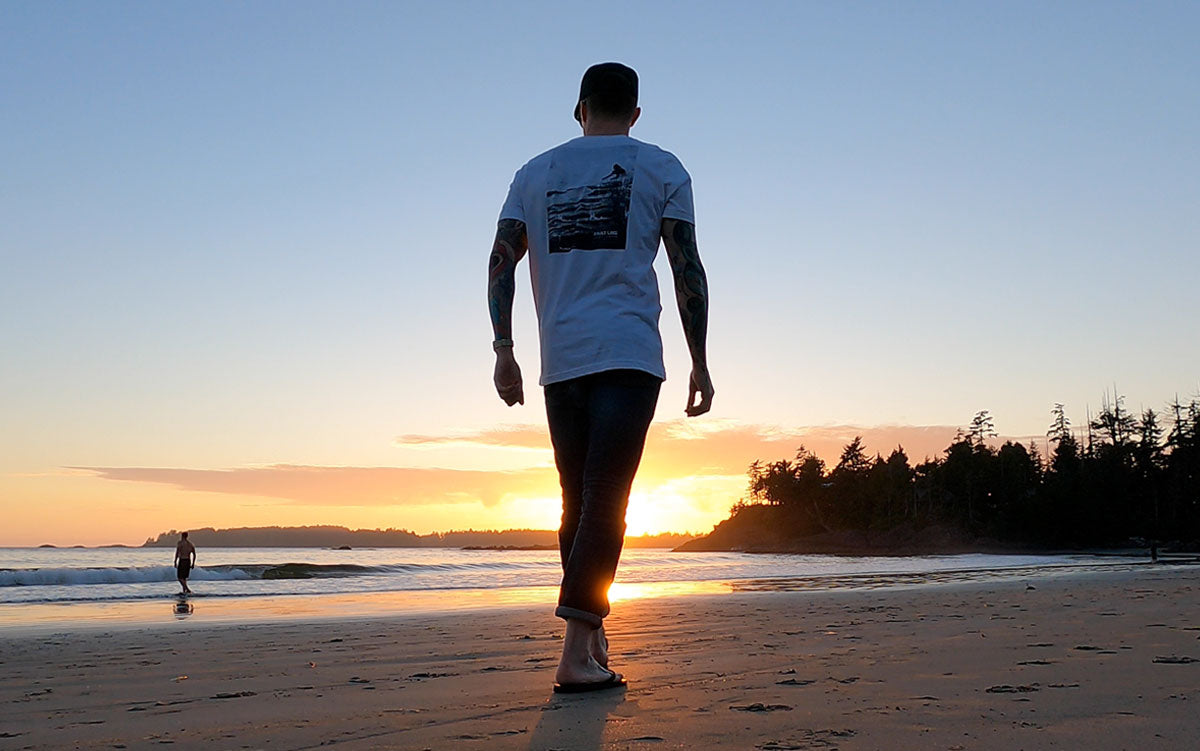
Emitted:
<point x="898" y="490"/>
<point x="1179" y="423"/>
<point x="1060" y="426"/>
<point x="1150" y="442"/>
<point x="854" y="458"/>
<point x="852" y="500"/>
<point x="1114" y="423"/>
<point x="1012" y="499"/>
<point x="982" y="427"/>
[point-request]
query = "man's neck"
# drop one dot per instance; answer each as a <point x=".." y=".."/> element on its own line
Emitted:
<point x="605" y="129"/>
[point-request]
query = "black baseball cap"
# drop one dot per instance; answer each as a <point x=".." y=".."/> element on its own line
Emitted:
<point x="613" y="77"/>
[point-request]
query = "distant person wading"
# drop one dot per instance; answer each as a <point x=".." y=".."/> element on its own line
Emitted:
<point x="185" y="561"/>
<point x="590" y="214"/>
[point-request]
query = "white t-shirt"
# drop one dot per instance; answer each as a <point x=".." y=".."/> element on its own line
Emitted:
<point x="593" y="210"/>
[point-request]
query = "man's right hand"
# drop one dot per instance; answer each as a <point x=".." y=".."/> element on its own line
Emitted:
<point x="507" y="377"/>
<point x="700" y="384"/>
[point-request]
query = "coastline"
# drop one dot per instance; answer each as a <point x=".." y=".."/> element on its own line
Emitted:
<point x="228" y="594"/>
<point x="753" y="534"/>
<point x="1105" y="659"/>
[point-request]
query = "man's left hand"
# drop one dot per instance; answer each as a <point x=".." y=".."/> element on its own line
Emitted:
<point x="700" y="385"/>
<point x="507" y="377"/>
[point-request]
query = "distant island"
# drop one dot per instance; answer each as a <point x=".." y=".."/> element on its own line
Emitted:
<point x="327" y="536"/>
<point x="1124" y="481"/>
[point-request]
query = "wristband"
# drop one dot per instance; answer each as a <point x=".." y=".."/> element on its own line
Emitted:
<point x="500" y="343"/>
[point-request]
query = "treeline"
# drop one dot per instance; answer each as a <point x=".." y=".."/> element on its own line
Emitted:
<point x="1122" y="477"/>
<point x="327" y="536"/>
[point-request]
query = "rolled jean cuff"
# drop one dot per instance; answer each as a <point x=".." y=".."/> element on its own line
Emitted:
<point x="593" y="620"/>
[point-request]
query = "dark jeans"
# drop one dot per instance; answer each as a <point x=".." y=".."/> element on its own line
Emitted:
<point x="598" y="426"/>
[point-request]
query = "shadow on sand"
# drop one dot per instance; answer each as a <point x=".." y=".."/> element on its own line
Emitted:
<point x="575" y="722"/>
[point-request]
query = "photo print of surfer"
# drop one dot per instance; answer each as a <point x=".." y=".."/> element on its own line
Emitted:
<point x="593" y="216"/>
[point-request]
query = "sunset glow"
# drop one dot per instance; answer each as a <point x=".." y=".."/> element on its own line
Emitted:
<point x="684" y="484"/>
<point x="244" y="269"/>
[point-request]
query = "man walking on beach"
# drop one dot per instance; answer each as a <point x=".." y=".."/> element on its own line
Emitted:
<point x="185" y="561"/>
<point x="590" y="213"/>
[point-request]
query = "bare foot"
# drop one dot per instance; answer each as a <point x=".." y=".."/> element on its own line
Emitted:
<point x="578" y="663"/>
<point x="588" y="672"/>
<point x="599" y="647"/>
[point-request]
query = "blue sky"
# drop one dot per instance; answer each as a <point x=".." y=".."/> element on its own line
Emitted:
<point x="246" y="233"/>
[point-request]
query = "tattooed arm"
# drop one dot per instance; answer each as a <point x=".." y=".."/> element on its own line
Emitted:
<point x="691" y="293"/>
<point x="507" y="250"/>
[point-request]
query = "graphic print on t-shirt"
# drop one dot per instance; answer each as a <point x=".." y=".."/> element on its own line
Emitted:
<point x="591" y="211"/>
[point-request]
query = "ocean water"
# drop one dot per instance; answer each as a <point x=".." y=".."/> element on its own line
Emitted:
<point x="44" y="582"/>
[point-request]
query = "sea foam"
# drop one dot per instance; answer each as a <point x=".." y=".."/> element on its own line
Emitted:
<point x="34" y="577"/>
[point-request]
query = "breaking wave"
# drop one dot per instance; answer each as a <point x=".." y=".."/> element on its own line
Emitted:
<point x="32" y="577"/>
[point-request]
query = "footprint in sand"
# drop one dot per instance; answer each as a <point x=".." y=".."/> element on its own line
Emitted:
<point x="760" y="707"/>
<point x="1007" y="689"/>
<point x="1176" y="660"/>
<point x="233" y="695"/>
<point x="808" y="739"/>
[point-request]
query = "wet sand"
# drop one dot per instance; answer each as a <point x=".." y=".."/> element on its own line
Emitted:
<point x="1096" y="661"/>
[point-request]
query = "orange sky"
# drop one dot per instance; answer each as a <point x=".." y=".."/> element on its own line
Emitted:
<point x="504" y="478"/>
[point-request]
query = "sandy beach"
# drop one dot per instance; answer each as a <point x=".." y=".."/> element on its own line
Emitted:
<point x="1097" y="661"/>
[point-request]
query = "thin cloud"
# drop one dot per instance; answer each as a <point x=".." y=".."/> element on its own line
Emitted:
<point x="511" y="437"/>
<point x="62" y="472"/>
<point x="687" y="447"/>
<point x="346" y="486"/>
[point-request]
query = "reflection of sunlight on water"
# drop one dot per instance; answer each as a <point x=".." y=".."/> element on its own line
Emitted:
<point x="327" y="606"/>
<point x="623" y="591"/>
<point x="915" y="578"/>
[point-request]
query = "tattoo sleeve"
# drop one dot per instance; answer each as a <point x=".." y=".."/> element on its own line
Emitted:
<point x="691" y="285"/>
<point x="509" y="247"/>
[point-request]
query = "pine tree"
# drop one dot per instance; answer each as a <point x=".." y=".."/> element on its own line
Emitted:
<point x="1060" y="426"/>
<point x="982" y="428"/>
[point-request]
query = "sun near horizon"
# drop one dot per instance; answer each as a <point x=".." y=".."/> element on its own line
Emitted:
<point x="244" y="278"/>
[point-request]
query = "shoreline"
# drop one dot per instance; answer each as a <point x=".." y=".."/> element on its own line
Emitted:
<point x="25" y="619"/>
<point x="1103" y="660"/>
<point x="199" y="609"/>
